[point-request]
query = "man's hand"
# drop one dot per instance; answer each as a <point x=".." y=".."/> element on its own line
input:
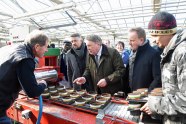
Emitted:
<point x="146" y="109"/>
<point x="79" y="80"/>
<point x="42" y="82"/>
<point x="102" y="83"/>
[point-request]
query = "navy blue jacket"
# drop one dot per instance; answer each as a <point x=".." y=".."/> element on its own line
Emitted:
<point x="17" y="72"/>
<point x="146" y="71"/>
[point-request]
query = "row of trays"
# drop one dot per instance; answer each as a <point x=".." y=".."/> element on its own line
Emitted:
<point x="92" y="104"/>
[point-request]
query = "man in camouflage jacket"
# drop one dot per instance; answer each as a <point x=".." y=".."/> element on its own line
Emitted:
<point x="172" y="105"/>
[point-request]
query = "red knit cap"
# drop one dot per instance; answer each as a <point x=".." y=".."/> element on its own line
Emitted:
<point x="162" y="23"/>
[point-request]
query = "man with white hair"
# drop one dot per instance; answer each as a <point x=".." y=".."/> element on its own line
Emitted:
<point x="17" y="67"/>
<point x="104" y="67"/>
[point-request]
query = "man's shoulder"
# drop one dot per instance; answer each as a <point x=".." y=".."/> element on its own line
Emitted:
<point x="69" y="52"/>
<point x="70" y="55"/>
<point x="126" y="52"/>
<point x="180" y="50"/>
<point x="149" y="54"/>
<point x="152" y="50"/>
<point x="182" y="46"/>
<point x="111" y="49"/>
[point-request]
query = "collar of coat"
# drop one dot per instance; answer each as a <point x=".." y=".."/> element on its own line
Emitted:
<point x="145" y="46"/>
<point x="29" y="49"/>
<point x="104" y="51"/>
<point x="178" y="38"/>
<point x="73" y="52"/>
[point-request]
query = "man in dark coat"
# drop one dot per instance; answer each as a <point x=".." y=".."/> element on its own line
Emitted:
<point x="17" y="67"/>
<point x="104" y="67"/>
<point x="76" y="61"/>
<point x="63" y="66"/>
<point x="144" y="64"/>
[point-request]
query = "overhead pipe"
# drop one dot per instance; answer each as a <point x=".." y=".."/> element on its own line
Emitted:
<point x="135" y="8"/>
<point x="156" y="5"/>
<point x="6" y="14"/>
<point x="50" y="9"/>
<point x="63" y="25"/>
<point x="96" y="23"/>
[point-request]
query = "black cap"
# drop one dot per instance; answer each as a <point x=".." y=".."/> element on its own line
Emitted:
<point x="67" y="42"/>
<point x="162" y="23"/>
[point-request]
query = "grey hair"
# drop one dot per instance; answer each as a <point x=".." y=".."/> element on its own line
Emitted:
<point x="75" y="35"/>
<point x="94" y="38"/>
<point x="36" y="37"/>
<point x="140" y="31"/>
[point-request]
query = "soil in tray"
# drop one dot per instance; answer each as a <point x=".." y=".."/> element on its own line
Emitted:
<point x="141" y="100"/>
<point x="61" y="100"/>
<point x="88" y="105"/>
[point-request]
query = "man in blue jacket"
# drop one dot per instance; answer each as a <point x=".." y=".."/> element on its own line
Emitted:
<point x="144" y="63"/>
<point x="17" y="67"/>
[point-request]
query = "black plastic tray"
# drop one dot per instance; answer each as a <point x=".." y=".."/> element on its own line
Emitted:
<point x="141" y="100"/>
<point x="87" y="105"/>
<point x="59" y="101"/>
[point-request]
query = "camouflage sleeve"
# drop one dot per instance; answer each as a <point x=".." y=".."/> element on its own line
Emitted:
<point x="173" y="103"/>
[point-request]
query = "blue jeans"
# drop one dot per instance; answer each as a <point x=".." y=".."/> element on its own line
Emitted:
<point x="5" y="120"/>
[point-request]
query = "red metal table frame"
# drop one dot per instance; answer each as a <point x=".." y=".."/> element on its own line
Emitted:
<point x="55" y="114"/>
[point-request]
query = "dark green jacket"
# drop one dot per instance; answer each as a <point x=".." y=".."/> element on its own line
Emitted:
<point x="110" y="68"/>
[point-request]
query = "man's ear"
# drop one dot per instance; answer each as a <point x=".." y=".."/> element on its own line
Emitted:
<point x="36" y="46"/>
<point x="141" y="41"/>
